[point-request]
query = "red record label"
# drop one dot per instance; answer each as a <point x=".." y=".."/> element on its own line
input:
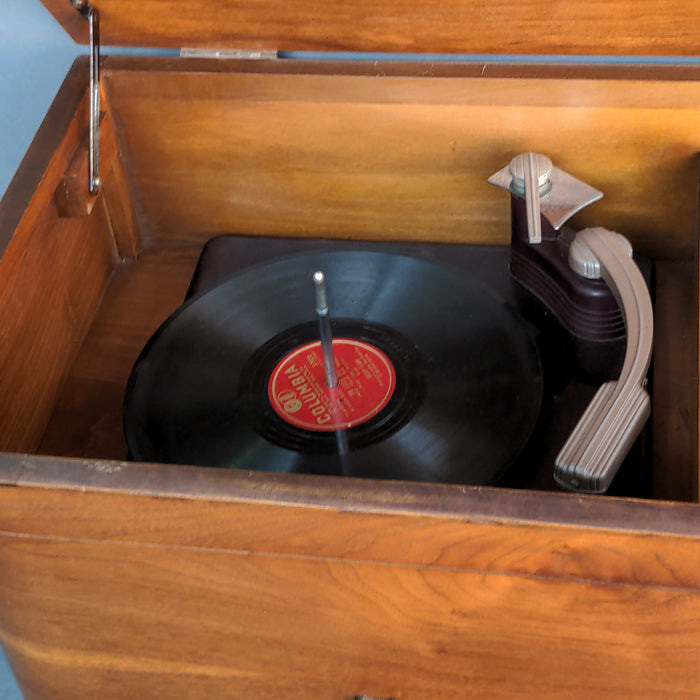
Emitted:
<point x="298" y="393"/>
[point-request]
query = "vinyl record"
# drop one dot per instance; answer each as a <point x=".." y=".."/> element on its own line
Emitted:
<point x="438" y="379"/>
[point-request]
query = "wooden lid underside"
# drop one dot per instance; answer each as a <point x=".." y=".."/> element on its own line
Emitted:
<point x="569" y="27"/>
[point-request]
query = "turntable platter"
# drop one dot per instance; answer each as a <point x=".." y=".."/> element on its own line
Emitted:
<point x="451" y="375"/>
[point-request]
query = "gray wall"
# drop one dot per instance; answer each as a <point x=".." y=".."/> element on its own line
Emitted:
<point x="35" y="55"/>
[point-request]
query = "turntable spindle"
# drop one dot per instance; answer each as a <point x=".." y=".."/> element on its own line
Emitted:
<point x="324" y="329"/>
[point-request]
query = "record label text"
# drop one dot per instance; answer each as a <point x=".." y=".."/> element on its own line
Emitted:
<point x="298" y="393"/>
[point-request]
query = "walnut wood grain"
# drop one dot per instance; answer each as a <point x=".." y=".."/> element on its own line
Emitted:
<point x="235" y="597"/>
<point x="87" y="416"/>
<point x="71" y="197"/>
<point x="44" y="323"/>
<point x="180" y="623"/>
<point x="121" y="211"/>
<point x="675" y="382"/>
<point x="597" y="27"/>
<point x="475" y="503"/>
<point x="360" y="157"/>
<point x="52" y="276"/>
<point x="55" y="267"/>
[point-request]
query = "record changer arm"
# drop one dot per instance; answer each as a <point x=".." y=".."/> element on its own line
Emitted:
<point x="601" y="439"/>
<point x="595" y="449"/>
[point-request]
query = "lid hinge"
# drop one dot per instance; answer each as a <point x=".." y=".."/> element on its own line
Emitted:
<point x="230" y="54"/>
<point x="93" y="18"/>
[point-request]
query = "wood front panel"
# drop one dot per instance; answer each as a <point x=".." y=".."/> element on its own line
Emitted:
<point x="596" y="27"/>
<point x="186" y="624"/>
<point x="394" y="157"/>
<point x="119" y="595"/>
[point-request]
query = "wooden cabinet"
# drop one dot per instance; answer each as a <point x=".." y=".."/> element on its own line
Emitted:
<point x="120" y="579"/>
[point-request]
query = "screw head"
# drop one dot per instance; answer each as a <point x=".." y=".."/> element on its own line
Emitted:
<point x="519" y="164"/>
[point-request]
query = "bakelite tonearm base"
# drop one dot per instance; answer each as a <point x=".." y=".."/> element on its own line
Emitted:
<point x="593" y="286"/>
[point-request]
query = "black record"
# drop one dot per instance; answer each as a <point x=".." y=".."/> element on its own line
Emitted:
<point x="466" y="374"/>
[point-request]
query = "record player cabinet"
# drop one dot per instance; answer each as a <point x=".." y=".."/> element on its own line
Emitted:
<point x="123" y="580"/>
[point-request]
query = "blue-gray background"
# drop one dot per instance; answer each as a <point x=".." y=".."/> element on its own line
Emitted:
<point x="35" y="55"/>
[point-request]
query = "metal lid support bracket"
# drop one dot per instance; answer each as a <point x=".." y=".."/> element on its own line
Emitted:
<point x="93" y="18"/>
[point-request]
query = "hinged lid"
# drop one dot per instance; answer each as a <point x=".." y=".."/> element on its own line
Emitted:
<point x="594" y="27"/>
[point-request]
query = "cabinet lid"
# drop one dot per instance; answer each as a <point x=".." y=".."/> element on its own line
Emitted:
<point x="571" y="27"/>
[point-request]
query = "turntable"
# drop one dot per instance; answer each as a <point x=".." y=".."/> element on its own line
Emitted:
<point x="439" y="356"/>
<point x="333" y="563"/>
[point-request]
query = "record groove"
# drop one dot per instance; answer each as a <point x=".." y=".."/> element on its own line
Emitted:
<point x="468" y="376"/>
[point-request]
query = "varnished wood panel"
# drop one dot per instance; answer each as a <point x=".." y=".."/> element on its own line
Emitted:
<point x="87" y="417"/>
<point x="273" y="514"/>
<point x="188" y="624"/>
<point x="596" y="27"/>
<point x="123" y="219"/>
<point x="479" y="504"/>
<point x="54" y="270"/>
<point x="675" y="382"/>
<point x="52" y="276"/>
<point x="113" y="595"/>
<point x="49" y="290"/>
<point x="354" y="156"/>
